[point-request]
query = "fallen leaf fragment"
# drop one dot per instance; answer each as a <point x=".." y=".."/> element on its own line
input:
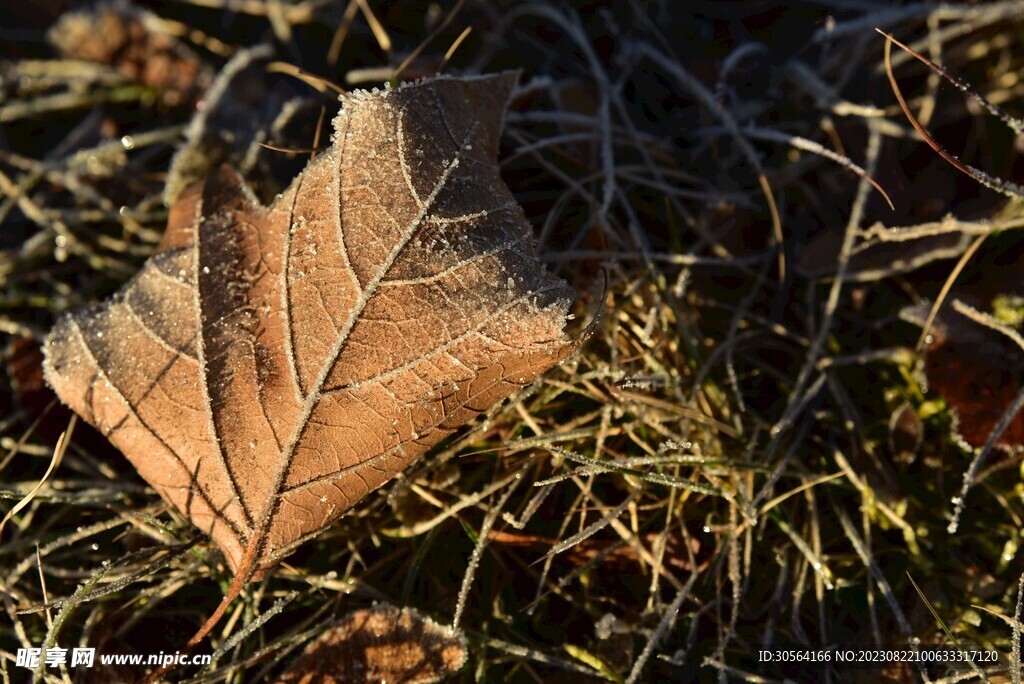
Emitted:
<point x="977" y="371"/>
<point x="270" y="366"/>
<point x="380" y="644"/>
<point x="23" y="361"/>
<point x="133" y="42"/>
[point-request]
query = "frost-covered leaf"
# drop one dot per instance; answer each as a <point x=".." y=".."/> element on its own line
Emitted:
<point x="269" y="367"/>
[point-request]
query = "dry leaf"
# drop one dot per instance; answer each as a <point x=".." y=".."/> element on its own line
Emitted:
<point x="23" y="361"/>
<point x="977" y="372"/>
<point x="135" y="43"/>
<point x="380" y="644"/>
<point x="269" y="367"/>
<point x="976" y="369"/>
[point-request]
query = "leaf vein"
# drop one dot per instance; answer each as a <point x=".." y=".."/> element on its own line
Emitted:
<point x="204" y="387"/>
<point x="175" y="458"/>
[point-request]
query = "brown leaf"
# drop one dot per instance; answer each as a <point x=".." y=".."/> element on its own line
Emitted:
<point x="132" y="41"/>
<point x="23" y="359"/>
<point x="977" y="372"/>
<point x="380" y="644"/>
<point x="269" y="367"/>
